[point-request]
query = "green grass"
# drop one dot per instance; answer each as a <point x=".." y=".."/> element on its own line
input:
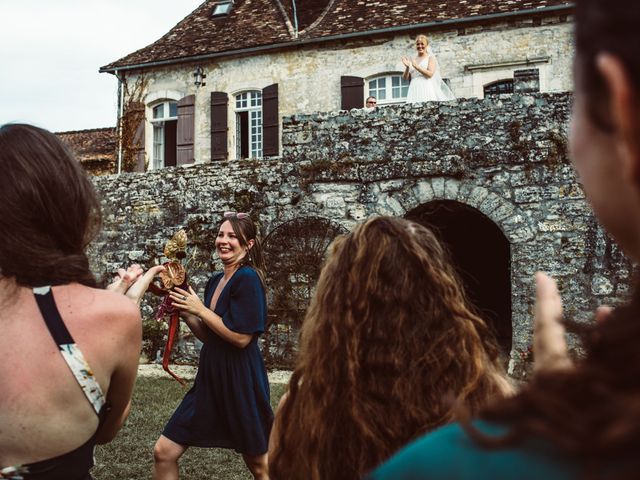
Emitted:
<point x="130" y="455"/>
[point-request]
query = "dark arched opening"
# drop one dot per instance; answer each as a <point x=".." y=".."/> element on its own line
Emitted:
<point x="294" y="253"/>
<point x="482" y="256"/>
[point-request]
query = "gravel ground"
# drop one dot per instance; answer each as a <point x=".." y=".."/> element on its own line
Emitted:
<point x="188" y="372"/>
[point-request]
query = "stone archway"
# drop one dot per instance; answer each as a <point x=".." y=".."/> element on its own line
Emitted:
<point x="294" y="253"/>
<point x="482" y="255"/>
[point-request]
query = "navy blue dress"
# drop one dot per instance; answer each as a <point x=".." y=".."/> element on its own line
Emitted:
<point x="228" y="405"/>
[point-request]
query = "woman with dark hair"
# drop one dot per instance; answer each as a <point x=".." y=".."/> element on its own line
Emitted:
<point x="388" y="346"/>
<point x="53" y="319"/>
<point x="228" y="405"/>
<point x="582" y="420"/>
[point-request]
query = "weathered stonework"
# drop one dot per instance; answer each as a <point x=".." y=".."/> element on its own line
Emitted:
<point x="505" y="157"/>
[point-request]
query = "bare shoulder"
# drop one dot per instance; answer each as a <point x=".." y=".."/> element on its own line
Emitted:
<point x="102" y="306"/>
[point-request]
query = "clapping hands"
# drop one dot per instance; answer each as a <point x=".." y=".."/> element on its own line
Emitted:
<point x="406" y="61"/>
<point x="134" y="281"/>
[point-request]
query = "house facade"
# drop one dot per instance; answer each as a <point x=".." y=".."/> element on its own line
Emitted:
<point x="217" y="86"/>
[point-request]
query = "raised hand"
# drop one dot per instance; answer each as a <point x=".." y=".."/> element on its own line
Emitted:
<point x="549" y="343"/>
<point x="134" y="281"/>
<point x="406" y="61"/>
<point x="125" y="278"/>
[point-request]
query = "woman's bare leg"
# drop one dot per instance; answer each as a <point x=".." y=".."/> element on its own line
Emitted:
<point x="165" y="459"/>
<point x="258" y="466"/>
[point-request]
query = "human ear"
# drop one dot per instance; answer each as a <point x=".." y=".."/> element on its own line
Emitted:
<point x="624" y="113"/>
<point x="250" y="244"/>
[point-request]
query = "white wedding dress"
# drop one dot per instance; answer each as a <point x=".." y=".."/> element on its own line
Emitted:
<point x="425" y="89"/>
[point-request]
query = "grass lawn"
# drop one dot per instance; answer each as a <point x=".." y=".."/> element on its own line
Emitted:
<point x="130" y="457"/>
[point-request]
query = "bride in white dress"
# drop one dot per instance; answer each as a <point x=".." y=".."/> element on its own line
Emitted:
<point x="424" y="73"/>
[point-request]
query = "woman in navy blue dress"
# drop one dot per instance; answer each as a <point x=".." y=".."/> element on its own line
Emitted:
<point x="228" y="405"/>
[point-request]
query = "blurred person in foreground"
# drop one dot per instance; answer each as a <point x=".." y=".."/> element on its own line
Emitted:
<point x="577" y="420"/>
<point x="70" y="350"/>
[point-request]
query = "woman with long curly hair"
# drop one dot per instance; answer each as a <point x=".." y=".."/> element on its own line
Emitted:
<point x="388" y="346"/>
<point x="582" y="420"/>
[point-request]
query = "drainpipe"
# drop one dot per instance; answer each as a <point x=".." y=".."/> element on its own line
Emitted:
<point x="295" y="19"/>
<point x="119" y="123"/>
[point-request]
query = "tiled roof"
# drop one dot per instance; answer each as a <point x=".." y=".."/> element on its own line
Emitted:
<point x="250" y="23"/>
<point x="93" y="146"/>
<point x="346" y="16"/>
<point x="259" y="23"/>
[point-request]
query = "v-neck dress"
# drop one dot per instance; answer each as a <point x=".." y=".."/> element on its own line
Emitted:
<point x="228" y="405"/>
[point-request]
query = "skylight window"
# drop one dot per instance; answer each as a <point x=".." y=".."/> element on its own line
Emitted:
<point x="222" y="8"/>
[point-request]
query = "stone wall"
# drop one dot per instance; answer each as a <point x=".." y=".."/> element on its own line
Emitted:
<point x="503" y="157"/>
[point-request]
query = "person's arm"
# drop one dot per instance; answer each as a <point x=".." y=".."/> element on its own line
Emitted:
<point x="407" y="70"/>
<point x="273" y="437"/>
<point x="134" y="281"/>
<point x="127" y="340"/>
<point x="195" y="325"/>
<point x="431" y="67"/>
<point x="189" y="302"/>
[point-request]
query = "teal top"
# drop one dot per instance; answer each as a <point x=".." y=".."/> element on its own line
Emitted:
<point x="449" y="453"/>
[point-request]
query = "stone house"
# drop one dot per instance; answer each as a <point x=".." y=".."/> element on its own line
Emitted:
<point x="275" y="129"/>
<point x="218" y="84"/>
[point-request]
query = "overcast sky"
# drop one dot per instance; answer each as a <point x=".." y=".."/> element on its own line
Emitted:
<point x="51" y="50"/>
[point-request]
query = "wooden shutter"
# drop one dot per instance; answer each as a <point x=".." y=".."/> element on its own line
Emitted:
<point x="186" y="129"/>
<point x="352" y="89"/>
<point x="526" y="81"/>
<point x="219" y="104"/>
<point x="270" y="121"/>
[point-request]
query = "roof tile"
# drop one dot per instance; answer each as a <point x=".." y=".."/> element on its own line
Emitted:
<point x="254" y="23"/>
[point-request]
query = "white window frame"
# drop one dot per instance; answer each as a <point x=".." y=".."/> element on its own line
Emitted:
<point x="222" y="8"/>
<point x="388" y="98"/>
<point x="250" y="101"/>
<point x="157" y="159"/>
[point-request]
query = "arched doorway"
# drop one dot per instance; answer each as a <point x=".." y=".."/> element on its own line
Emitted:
<point x="482" y="255"/>
<point x="294" y="253"/>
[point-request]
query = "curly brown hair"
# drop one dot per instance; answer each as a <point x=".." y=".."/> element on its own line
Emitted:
<point x="388" y="345"/>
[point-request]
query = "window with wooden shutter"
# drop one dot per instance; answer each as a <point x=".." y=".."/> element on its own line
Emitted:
<point x="352" y="89"/>
<point x="219" y="105"/>
<point x="270" y="121"/>
<point x="164" y="119"/>
<point x="249" y="135"/>
<point x="185" y="132"/>
<point x="499" y="87"/>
